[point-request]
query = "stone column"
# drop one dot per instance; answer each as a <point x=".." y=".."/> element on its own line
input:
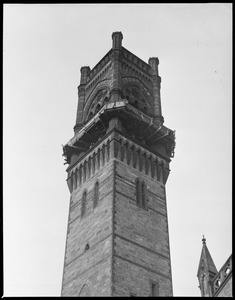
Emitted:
<point x="81" y="97"/>
<point x="154" y="62"/>
<point x="116" y="57"/>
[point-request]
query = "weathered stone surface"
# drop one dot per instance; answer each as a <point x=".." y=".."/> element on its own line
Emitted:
<point x="128" y="245"/>
<point x="94" y="229"/>
<point x="227" y="289"/>
<point x="140" y="237"/>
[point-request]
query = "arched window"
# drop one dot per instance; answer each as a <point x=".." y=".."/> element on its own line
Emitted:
<point x="96" y="194"/>
<point x="141" y="193"/>
<point x="83" y="206"/>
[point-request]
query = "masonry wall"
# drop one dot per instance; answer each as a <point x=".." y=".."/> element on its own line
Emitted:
<point x="141" y="243"/>
<point x="226" y="291"/>
<point x="128" y="245"/>
<point x="88" y="272"/>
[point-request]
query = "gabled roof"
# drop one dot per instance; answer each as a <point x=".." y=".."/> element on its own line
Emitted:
<point x="206" y="263"/>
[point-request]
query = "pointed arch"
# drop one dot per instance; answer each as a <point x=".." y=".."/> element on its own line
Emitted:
<point x="96" y="97"/>
<point x="138" y="94"/>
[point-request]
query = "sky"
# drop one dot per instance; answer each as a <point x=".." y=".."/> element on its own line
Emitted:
<point x="44" y="47"/>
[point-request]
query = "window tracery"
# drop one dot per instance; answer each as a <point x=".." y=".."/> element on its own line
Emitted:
<point x="99" y="100"/>
<point x="136" y="98"/>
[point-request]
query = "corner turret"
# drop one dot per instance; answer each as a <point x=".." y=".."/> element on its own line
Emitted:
<point x="117" y="40"/>
<point x="154" y="62"/>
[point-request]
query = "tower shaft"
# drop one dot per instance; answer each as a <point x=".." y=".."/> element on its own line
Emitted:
<point x="117" y="238"/>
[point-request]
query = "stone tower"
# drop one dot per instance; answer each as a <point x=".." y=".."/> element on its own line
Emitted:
<point x="117" y="238"/>
<point x="206" y="271"/>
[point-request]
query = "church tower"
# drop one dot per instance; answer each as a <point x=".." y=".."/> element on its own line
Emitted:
<point x="118" y="163"/>
<point x="206" y="271"/>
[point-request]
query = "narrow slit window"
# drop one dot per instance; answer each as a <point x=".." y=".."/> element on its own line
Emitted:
<point x="154" y="289"/>
<point x="83" y="207"/>
<point x="137" y="191"/>
<point x="96" y="194"/>
<point x="143" y="195"/>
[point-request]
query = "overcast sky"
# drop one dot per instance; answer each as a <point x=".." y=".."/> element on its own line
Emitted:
<point x="44" y="47"/>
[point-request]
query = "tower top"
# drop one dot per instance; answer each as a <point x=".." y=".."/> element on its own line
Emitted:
<point x="122" y="87"/>
<point x="203" y="240"/>
<point x="154" y="62"/>
<point x="206" y="263"/>
<point x="206" y="271"/>
<point x="117" y="39"/>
